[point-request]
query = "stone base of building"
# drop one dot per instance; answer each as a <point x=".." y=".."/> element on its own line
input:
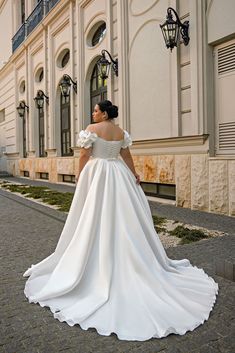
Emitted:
<point x="202" y="182"/>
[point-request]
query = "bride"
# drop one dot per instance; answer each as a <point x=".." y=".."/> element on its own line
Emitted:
<point x="109" y="269"/>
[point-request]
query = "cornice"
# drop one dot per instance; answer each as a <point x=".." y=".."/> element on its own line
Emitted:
<point x="181" y="141"/>
<point x="12" y="154"/>
<point x="84" y="3"/>
<point x="8" y="67"/>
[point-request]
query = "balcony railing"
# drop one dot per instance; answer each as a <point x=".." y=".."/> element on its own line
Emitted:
<point x="36" y="16"/>
<point x="19" y="37"/>
<point x="39" y="12"/>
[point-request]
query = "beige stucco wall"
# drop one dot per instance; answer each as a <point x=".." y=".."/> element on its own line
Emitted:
<point x="6" y="30"/>
<point x="152" y="73"/>
<point x="220" y="19"/>
<point x="165" y="99"/>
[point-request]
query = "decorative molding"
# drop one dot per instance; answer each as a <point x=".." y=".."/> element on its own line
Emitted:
<point x="51" y="152"/>
<point x="37" y="67"/>
<point x="123" y="48"/>
<point x="31" y="154"/>
<point x="36" y="47"/>
<point x="182" y="141"/>
<point x="209" y="7"/>
<point x="196" y="67"/>
<point x="143" y="11"/>
<point x="20" y="63"/>
<point x="84" y="3"/>
<point x="186" y="111"/>
<point x="12" y="154"/>
<point x="185" y="87"/>
<point x="98" y="16"/>
<point x="186" y="63"/>
<point x="2" y="4"/>
<point x="60" y="26"/>
<point x="184" y="16"/>
<point x="156" y="19"/>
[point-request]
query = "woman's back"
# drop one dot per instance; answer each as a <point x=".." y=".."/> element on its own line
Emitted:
<point x="107" y="130"/>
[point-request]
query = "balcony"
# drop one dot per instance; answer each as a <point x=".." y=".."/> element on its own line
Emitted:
<point x="19" y="37"/>
<point x="35" y="17"/>
<point x="39" y="12"/>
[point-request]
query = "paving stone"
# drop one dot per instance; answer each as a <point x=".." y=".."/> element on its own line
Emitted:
<point x="29" y="233"/>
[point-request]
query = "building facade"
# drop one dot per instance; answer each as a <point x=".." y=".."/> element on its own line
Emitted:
<point x="178" y="106"/>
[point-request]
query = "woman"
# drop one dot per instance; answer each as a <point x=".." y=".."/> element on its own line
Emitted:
<point x="109" y="269"/>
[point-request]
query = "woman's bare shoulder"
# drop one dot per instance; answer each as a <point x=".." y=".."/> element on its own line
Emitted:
<point x="102" y="129"/>
<point x="91" y="128"/>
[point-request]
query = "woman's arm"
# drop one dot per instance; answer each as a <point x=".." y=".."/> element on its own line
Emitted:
<point x="127" y="157"/>
<point x="84" y="157"/>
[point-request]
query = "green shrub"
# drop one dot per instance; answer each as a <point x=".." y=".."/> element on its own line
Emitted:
<point x="160" y="229"/>
<point x="188" y="235"/>
<point x="157" y="220"/>
<point x="52" y="197"/>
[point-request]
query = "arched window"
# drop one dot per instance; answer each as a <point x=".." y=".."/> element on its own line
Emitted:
<point x="41" y="133"/>
<point x="98" y="88"/>
<point x="65" y="126"/>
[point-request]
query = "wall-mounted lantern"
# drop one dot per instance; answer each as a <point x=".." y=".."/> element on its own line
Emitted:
<point x="22" y="107"/>
<point x="104" y="65"/>
<point x="39" y="99"/>
<point x="170" y="30"/>
<point x="65" y="85"/>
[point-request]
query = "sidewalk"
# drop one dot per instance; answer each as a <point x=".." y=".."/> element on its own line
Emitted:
<point x="29" y="232"/>
<point x="199" y="218"/>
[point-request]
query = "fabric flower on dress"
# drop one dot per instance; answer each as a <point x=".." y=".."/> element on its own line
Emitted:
<point x="86" y="138"/>
<point x="127" y="140"/>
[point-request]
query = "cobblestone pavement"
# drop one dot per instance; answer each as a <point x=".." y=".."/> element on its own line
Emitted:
<point x="29" y="232"/>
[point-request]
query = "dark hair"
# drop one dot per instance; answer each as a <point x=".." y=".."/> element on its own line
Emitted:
<point x="107" y="106"/>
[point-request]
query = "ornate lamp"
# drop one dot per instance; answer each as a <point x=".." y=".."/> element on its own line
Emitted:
<point x="39" y="99"/>
<point x="104" y="65"/>
<point x="170" y="29"/>
<point x="21" y="108"/>
<point x="65" y="85"/>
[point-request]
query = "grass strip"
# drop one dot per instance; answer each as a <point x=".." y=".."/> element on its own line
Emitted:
<point x="188" y="235"/>
<point x="62" y="200"/>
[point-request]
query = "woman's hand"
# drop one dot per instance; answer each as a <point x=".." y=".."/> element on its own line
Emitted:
<point x="137" y="178"/>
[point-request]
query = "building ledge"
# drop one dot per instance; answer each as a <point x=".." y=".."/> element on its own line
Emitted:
<point x="194" y="140"/>
<point x="161" y="200"/>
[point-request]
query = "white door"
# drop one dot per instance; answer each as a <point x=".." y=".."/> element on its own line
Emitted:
<point x="225" y="97"/>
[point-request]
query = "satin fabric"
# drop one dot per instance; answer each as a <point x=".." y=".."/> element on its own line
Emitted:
<point x="109" y="269"/>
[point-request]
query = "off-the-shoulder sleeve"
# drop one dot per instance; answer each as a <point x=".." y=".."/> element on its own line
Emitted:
<point x="86" y="138"/>
<point x="127" y="140"/>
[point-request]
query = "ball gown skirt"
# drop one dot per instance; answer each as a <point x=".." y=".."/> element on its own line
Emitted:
<point x="109" y="270"/>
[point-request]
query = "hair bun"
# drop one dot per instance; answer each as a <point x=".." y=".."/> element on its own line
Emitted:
<point x="112" y="111"/>
<point x="107" y="106"/>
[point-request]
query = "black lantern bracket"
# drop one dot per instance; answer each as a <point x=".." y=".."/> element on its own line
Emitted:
<point x="104" y="62"/>
<point x="39" y="99"/>
<point x="22" y="107"/>
<point x="170" y="25"/>
<point x="65" y="85"/>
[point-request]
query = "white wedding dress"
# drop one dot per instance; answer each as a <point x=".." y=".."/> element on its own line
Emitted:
<point x="109" y="270"/>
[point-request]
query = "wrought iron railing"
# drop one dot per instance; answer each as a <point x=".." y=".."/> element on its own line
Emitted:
<point x="51" y="4"/>
<point x="39" y="12"/>
<point x="35" y="17"/>
<point x="19" y="37"/>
